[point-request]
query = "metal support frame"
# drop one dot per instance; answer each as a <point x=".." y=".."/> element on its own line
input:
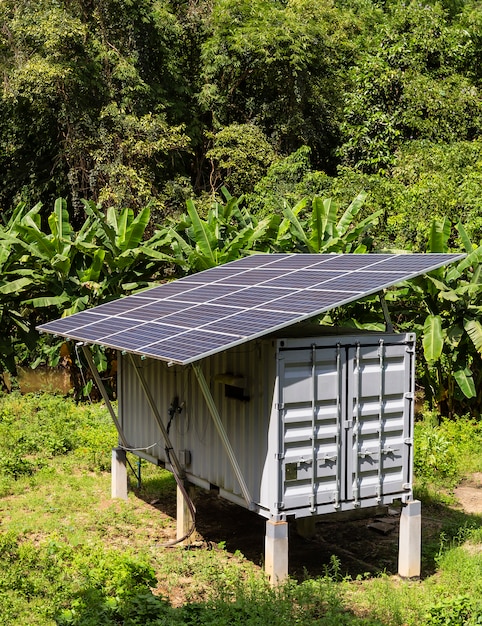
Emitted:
<point x="104" y="394"/>
<point x="172" y="455"/>
<point x="386" y="314"/>
<point x="222" y="433"/>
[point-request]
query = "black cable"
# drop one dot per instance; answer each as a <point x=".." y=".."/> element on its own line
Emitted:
<point x="175" y="408"/>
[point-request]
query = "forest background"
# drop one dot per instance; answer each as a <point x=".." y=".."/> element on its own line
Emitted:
<point x="279" y="125"/>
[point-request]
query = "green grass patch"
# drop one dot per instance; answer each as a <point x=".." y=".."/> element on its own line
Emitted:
<point x="70" y="555"/>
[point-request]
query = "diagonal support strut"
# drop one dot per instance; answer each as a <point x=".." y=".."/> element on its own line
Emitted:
<point x="172" y="455"/>
<point x="104" y="394"/>
<point x="222" y="433"/>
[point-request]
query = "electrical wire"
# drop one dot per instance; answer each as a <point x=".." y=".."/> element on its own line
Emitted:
<point x="175" y="408"/>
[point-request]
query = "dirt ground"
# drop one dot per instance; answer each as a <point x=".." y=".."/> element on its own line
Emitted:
<point x="367" y="545"/>
<point x="469" y="494"/>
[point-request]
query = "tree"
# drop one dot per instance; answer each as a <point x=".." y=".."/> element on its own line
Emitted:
<point x="90" y="101"/>
<point x="277" y="65"/>
<point x="413" y="82"/>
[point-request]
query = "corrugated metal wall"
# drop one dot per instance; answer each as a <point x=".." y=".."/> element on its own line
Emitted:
<point x="246" y="420"/>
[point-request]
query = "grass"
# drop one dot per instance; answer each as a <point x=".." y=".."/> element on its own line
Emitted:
<point x="70" y="555"/>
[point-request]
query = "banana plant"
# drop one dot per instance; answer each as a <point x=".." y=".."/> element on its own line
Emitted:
<point x="59" y="271"/>
<point x="228" y="232"/>
<point x="448" y="305"/>
<point x="124" y="258"/>
<point x="322" y="230"/>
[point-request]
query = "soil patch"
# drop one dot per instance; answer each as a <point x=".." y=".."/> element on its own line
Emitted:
<point x="469" y="494"/>
<point x="364" y="545"/>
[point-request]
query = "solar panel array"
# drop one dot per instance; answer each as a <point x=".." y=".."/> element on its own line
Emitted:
<point x="193" y="317"/>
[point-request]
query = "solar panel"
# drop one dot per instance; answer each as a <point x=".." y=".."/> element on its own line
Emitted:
<point x="196" y="316"/>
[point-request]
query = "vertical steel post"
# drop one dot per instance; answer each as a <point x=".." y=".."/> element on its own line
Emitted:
<point x="381" y="357"/>
<point x="356" y="428"/>
<point x="339" y="457"/>
<point x="313" y="429"/>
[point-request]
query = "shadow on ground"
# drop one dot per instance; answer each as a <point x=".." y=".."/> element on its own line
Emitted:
<point x="366" y="545"/>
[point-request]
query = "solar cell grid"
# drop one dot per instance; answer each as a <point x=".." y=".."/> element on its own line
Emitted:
<point x="300" y="261"/>
<point x="352" y="262"/>
<point x="198" y="315"/>
<point x="187" y="319"/>
<point x="138" y="336"/>
<point x="190" y="343"/>
<point x="152" y="311"/>
<point x="246" y="323"/>
<point x="102" y="329"/>
<point x="251" y="277"/>
<point x="122" y="304"/>
<point x="305" y="301"/>
<point x="168" y="290"/>
<point x="256" y="261"/>
<point x="355" y="282"/>
<point x="410" y="262"/>
<point x="301" y="280"/>
<point x="254" y="296"/>
<point x="215" y="274"/>
<point x="67" y="324"/>
<point x="205" y="293"/>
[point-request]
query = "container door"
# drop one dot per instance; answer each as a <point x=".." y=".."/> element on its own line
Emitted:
<point x="378" y="436"/>
<point x="311" y="387"/>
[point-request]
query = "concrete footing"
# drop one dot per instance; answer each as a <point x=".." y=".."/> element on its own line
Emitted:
<point x="276" y="551"/>
<point x="119" y="473"/>
<point x="410" y="541"/>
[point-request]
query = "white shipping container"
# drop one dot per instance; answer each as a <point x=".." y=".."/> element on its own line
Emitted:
<point x="318" y="424"/>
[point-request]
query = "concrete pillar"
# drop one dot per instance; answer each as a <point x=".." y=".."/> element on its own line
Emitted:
<point x="276" y="551"/>
<point x="119" y="473"/>
<point x="183" y="515"/>
<point x="410" y="541"/>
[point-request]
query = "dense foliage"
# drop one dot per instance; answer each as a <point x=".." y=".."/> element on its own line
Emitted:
<point x="153" y="101"/>
<point x="262" y="118"/>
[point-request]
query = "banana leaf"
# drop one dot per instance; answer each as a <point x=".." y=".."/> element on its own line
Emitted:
<point x="432" y="338"/>
<point x="465" y="382"/>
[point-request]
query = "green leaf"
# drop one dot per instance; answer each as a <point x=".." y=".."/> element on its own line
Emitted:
<point x="465" y="381"/>
<point x="294" y="223"/>
<point x="15" y="285"/>
<point x="59" y="223"/>
<point x="464" y="237"/>
<point x="93" y="272"/>
<point x="48" y="301"/>
<point x="136" y="229"/>
<point x="205" y="240"/>
<point x="432" y="338"/>
<point x="474" y="331"/>
<point x="323" y="217"/>
<point x="439" y="235"/>
<point x="351" y="212"/>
